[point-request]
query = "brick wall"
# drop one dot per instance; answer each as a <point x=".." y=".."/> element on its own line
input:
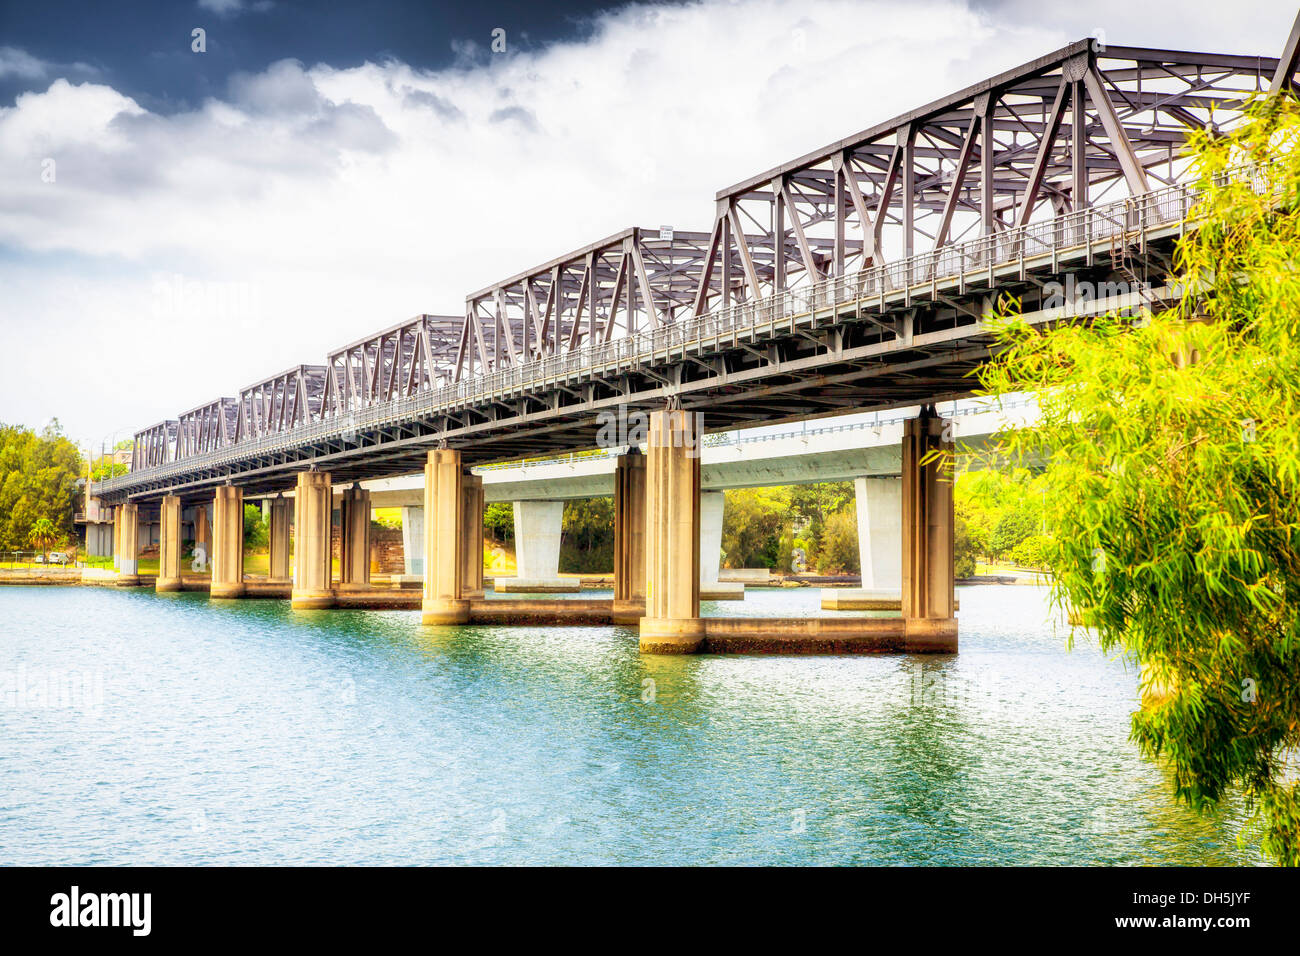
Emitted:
<point x="386" y="553"/>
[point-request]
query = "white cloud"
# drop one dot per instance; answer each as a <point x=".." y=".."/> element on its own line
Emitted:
<point x="19" y="63"/>
<point x="231" y="8"/>
<point x="352" y="198"/>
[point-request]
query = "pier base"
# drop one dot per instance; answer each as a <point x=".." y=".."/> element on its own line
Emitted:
<point x="865" y="599"/>
<point x="555" y="585"/>
<point x="722" y="591"/>
<point x="662" y="635"/>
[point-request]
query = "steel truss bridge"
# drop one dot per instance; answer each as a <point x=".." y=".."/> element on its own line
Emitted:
<point x="852" y="278"/>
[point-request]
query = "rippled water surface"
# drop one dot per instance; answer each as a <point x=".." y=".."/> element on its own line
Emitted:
<point x="244" y="732"/>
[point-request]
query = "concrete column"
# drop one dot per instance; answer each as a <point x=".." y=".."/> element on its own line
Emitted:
<point x="128" y="519"/>
<point x="880" y="533"/>
<point x="672" y="623"/>
<point x="538" y="528"/>
<point x="472" y="536"/>
<point x="202" y="533"/>
<point x="354" y="542"/>
<point x="712" y="504"/>
<point x="444" y="511"/>
<point x="99" y="540"/>
<point x="313" y="519"/>
<point x="117" y="539"/>
<point x="227" y="543"/>
<point x="629" y="537"/>
<point x="169" y="545"/>
<point x="927" y="537"/>
<point x="278" y="572"/>
<point x="413" y="541"/>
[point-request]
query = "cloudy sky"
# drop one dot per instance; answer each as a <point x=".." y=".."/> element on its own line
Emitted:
<point x="175" y="224"/>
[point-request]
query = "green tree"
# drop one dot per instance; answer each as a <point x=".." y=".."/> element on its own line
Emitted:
<point x="38" y="479"/>
<point x="42" y="536"/>
<point x="752" y="522"/>
<point x="999" y="506"/>
<point x="1012" y="528"/>
<point x="839" y="546"/>
<point x="1034" y="551"/>
<point x="1173" y="493"/>
<point x="256" y="533"/>
<point x="587" y="546"/>
<point x="963" y="550"/>
<point x="815" y="503"/>
<point x="104" y="468"/>
<point x="499" y="521"/>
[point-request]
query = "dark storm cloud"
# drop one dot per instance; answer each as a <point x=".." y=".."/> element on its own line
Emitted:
<point x="143" y="48"/>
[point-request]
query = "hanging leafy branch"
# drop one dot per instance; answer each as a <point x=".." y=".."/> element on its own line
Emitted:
<point x="1173" y="480"/>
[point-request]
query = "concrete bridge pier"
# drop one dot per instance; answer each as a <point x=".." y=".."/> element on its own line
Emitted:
<point x="278" y="569"/>
<point x="928" y="520"/>
<point x="227" y="543"/>
<point x="880" y="534"/>
<point x="128" y="522"/>
<point x="711" y="589"/>
<point x="472" y="536"/>
<point x="672" y="624"/>
<point x="879" y="501"/>
<point x="629" y="537"/>
<point x="444" y="510"/>
<point x="539" y="526"/>
<point x="117" y="539"/>
<point x="354" y="542"/>
<point x="202" y="531"/>
<point x="169" y="545"/>
<point x="313" y="520"/>
<point x="412" y="543"/>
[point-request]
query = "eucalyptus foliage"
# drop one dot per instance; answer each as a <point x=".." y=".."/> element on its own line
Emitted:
<point x="1173" y="480"/>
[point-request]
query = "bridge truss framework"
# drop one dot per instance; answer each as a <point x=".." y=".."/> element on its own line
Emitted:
<point x="854" y="277"/>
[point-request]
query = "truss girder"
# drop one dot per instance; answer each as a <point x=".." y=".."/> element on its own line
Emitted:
<point x="636" y="279"/>
<point x="282" y="402"/>
<point x="1082" y="125"/>
<point x="403" y="361"/>
<point x="155" y="445"/>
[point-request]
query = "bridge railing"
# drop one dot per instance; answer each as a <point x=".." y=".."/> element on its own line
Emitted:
<point x="1063" y="234"/>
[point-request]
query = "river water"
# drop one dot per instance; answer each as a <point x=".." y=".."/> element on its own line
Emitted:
<point x="153" y="729"/>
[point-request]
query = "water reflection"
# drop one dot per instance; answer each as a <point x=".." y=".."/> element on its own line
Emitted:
<point x="246" y="732"/>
